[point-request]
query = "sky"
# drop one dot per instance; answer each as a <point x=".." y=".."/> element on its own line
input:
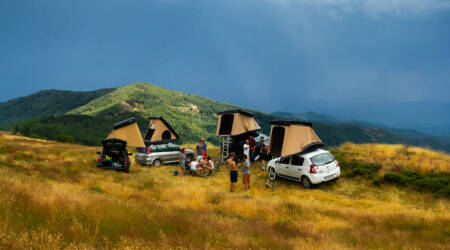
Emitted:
<point x="264" y="54"/>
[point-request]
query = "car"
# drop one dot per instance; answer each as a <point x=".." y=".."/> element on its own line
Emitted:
<point x="160" y="154"/>
<point x="308" y="168"/>
<point x="114" y="155"/>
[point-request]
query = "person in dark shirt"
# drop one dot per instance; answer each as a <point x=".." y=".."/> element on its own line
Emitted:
<point x="252" y="148"/>
<point x="264" y="156"/>
<point x="205" y="152"/>
<point x="199" y="149"/>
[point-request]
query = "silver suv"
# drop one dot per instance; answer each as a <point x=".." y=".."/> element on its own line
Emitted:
<point x="161" y="153"/>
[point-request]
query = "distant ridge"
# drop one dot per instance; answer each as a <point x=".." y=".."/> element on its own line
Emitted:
<point x="87" y="117"/>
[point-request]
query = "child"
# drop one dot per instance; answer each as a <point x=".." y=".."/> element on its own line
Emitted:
<point x="246" y="173"/>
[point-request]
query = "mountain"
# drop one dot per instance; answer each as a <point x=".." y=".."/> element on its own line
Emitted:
<point x="427" y="117"/>
<point x="192" y="116"/>
<point x="332" y="129"/>
<point x="87" y="117"/>
<point x="45" y="102"/>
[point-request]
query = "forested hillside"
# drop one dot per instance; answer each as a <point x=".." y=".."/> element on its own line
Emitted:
<point x="45" y="102"/>
<point x="87" y="117"/>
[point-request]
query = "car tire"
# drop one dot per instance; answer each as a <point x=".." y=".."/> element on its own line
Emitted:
<point x="157" y="163"/>
<point x="126" y="170"/>
<point x="306" y="183"/>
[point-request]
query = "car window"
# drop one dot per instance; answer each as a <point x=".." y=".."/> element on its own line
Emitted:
<point x="161" y="148"/>
<point x="297" y="160"/>
<point x="322" y="159"/>
<point x="285" y="160"/>
<point x="173" y="147"/>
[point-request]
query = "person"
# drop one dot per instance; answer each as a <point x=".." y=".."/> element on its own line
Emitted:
<point x="246" y="173"/>
<point x="246" y="148"/>
<point x="210" y="165"/>
<point x="233" y="171"/>
<point x="193" y="166"/>
<point x="259" y="146"/>
<point x="182" y="161"/>
<point x="205" y="152"/>
<point x="199" y="149"/>
<point x="252" y="148"/>
<point x="263" y="156"/>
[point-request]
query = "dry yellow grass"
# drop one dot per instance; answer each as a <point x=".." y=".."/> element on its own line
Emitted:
<point x="394" y="157"/>
<point x="53" y="196"/>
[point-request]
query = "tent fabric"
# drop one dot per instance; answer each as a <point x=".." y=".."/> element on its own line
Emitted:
<point x="297" y="137"/>
<point x="129" y="132"/>
<point x="162" y="131"/>
<point x="243" y="122"/>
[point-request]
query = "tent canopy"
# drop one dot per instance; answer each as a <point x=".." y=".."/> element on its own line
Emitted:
<point x="128" y="131"/>
<point x="159" y="131"/>
<point x="235" y="122"/>
<point x="291" y="137"/>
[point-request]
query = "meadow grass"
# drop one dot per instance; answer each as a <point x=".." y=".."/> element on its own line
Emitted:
<point x="54" y="197"/>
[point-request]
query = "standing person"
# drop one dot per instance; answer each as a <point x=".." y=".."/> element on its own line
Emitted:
<point x="182" y="161"/>
<point x="252" y="148"/>
<point x="263" y="156"/>
<point x="205" y="152"/>
<point x="233" y="171"/>
<point x="246" y="173"/>
<point x="199" y="149"/>
<point x="246" y="148"/>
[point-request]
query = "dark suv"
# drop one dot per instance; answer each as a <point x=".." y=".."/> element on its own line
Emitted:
<point x="114" y="155"/>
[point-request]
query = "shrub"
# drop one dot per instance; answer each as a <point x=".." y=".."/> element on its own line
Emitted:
<point x="437" y="183"/>
<point x="357" y="168"/>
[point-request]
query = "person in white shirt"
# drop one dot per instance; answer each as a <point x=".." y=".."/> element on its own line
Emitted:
<point x="247" y="148"/>
<point x="193" y="166"/>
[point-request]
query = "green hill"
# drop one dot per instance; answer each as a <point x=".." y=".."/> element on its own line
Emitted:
<point x="45" y="102"/>
<point x="87" y="117"/>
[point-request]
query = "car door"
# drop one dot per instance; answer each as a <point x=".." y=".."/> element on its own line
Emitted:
<point x="283" y="166"/>
<point x="296" y="167"/>
<point x="174" y="151"/>
<point x="163" y="152"/>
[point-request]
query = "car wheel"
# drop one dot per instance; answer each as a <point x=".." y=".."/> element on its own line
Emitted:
<point x="306" y="183"/>
<point x="157" y="163"/>
<point x="126" y="170"/>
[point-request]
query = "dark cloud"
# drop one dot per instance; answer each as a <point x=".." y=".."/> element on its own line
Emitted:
<point x="269" y="55"/>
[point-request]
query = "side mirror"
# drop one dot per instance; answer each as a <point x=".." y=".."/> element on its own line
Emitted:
<point x="98" y="153"/>
<point x="130" y="153"/>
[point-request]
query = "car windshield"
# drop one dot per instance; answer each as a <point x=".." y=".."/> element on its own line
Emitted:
<point x="322" y="159"/>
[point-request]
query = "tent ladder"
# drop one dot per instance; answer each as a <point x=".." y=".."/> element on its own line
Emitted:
<point x="271" y="177"/>
<point x="225" y="147"/>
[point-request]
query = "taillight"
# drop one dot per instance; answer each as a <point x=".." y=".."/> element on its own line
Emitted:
<point x="99" y="160"/>
<point x="337" y="164"/>
<point x="126" y="161"/>
<point x="312" y="169"/>
<point x="149" y="150"/>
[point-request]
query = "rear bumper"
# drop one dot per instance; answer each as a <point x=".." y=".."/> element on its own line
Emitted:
<point x="319" y="178"/>
<point x="120" y="167"/>
<point x="144" y="160"/>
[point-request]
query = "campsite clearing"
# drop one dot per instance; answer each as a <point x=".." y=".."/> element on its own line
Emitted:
<point x="53" y="196"/>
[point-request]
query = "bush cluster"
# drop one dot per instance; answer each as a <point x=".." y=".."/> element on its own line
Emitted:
<point x="355" y="168"/>
<point x="437" y="183"/>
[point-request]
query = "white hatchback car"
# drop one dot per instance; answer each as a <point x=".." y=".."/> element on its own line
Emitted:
<point x="308" y="168"/>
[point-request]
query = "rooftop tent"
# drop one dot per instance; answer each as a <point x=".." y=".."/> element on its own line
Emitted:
<point x="128" y="131"/>
<point x="291" y="137"/>
<point x="159" y="131"/>
<point x="235" y="122"/>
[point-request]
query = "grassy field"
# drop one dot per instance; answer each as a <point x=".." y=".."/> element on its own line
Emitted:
<point x="53" y="196"/>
